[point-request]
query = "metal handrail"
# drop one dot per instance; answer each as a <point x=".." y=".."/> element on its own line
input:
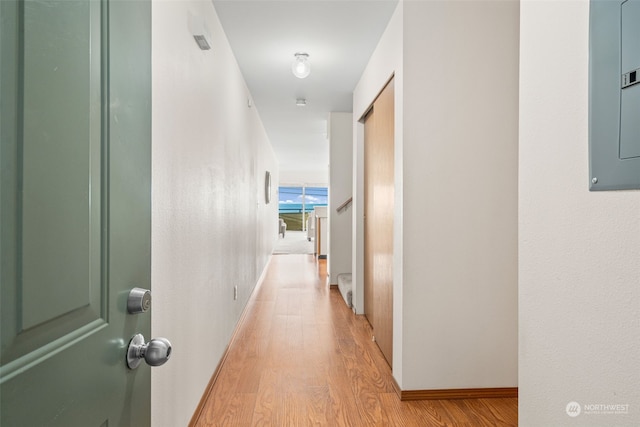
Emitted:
<point x="344" y="205"/>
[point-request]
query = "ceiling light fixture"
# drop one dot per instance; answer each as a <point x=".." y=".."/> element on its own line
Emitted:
<point x="301" y="66"/>
<point x="301" y="102"/>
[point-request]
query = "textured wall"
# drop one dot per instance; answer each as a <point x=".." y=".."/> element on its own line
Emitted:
<point x="309" y="178"/>
<point x="211" y="228"/>
<point x="460" y="194"/>
<point x="455" y="248"/>
<point x="341" y="188"/>
<point x="579" y="265"/>
<point x="385" y="61"/>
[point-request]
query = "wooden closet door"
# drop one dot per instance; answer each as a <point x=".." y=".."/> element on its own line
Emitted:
<point x="378" y="224"/>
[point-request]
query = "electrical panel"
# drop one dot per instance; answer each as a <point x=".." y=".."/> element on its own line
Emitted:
<point x="614" y="95"/>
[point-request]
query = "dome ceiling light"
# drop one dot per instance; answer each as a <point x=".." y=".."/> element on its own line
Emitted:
<point x="301" y="66"/>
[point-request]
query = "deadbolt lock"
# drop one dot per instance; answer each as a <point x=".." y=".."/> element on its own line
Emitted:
<point x="139" y="301"/>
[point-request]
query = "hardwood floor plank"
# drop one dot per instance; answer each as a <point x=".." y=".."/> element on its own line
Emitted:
<point x="267" y="401"/>
<point x="343" y="408"/>
<point x="301" y="357"/>
<point x="237" y="412"/>
<point x="316" y="401"/>
<point x="424" y="414"/>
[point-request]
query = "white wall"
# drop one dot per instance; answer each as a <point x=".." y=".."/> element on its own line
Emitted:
<point x="211" y="227"/>
<point x="455" y="244"/>
<point x="385" y="61"/>
<point x="310" y="178"/>
<point x="460" y="194"/>
<point x="579" y="251"/>
<point x="340" y="189"/>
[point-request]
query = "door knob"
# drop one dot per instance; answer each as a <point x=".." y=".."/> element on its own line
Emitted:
<point x="156" y="352"/>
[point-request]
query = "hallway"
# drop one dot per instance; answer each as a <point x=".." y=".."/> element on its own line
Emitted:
<point x="300" y="357"/>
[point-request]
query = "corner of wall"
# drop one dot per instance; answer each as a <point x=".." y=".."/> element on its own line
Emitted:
<point x="340" y="189"/>
<point x="385" y="62"/>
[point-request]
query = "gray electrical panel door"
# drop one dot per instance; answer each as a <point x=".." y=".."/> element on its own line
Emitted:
<point x="614" y="95"/>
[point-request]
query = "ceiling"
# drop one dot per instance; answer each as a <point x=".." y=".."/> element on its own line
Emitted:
<point x="338" y="35"/>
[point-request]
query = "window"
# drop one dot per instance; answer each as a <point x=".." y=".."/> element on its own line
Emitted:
<point x="295" y="203"/>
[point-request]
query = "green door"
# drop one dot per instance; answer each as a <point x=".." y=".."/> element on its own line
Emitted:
<point x="75" y="206"/>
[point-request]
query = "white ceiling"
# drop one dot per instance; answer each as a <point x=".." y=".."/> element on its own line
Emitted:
<point x="338" y="35"/>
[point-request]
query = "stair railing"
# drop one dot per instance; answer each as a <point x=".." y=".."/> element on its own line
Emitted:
<point x="344" y="205"/>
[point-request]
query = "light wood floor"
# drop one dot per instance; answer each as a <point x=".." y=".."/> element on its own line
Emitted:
<point x="301" y="358"/>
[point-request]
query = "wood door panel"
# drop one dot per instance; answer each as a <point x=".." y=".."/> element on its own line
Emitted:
<point x="379" y="207"/>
